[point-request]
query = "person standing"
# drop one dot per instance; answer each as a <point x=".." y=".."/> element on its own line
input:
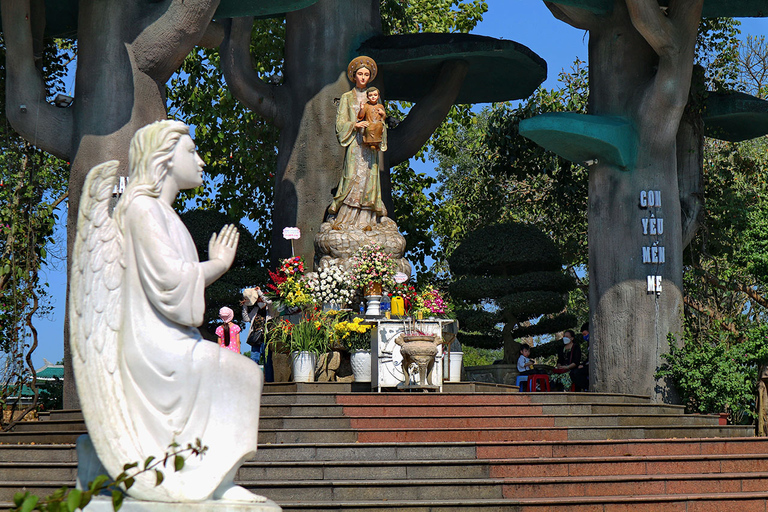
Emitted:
<point x="228" y="333"/>
<point x="255" y="311"/>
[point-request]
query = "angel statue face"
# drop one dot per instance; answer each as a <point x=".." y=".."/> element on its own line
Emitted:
<point x="186" y="166"/>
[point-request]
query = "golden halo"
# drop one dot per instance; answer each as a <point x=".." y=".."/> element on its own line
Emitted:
<point x="361" y="62"/>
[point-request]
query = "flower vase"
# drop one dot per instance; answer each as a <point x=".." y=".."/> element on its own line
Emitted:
<point x="361" y="365"/>
<point x="372" y="294"/>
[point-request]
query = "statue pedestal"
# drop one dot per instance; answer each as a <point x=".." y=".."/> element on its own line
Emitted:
<point x="104" y="504"/>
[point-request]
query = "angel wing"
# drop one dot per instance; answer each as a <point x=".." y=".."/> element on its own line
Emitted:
<point x="95" y="321"/>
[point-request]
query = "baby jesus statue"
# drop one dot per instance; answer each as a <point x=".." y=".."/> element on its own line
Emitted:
<point x="374" y="113"/>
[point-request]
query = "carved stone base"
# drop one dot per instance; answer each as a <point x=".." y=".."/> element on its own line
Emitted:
<point x="336" y="246"/>
<point x="104" y="504"/>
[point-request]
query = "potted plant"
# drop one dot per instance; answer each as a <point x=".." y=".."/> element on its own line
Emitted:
<point x="356" y="337"/>
<point x="308" y="340"/>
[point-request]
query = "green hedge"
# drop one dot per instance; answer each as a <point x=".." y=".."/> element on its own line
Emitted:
<point x="547" y="325"/>
<point x="505" y="249"/>
<point x="526" y="305"/>
<point x="483" y="287"/>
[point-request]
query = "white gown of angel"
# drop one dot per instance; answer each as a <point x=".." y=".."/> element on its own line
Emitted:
<point x="145" y="376"/>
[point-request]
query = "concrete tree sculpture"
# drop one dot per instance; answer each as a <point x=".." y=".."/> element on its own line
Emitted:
<point x="644" y="166"/>
<point x="518" y="269"/>
<point x="127" y="51"/>
<point x="430" y="69"/>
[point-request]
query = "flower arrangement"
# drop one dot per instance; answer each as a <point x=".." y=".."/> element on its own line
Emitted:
<point x="289" y="286"/>
<point x="370" y="264"/>
<point x="353" y="334"/>
<point x="332" y="285"/>
<point x="430" y="301"/>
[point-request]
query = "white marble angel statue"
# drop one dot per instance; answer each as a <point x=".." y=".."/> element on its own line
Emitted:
<point x="145" y="376"/>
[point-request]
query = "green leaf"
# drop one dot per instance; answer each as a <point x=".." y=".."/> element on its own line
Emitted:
<point x="158" y="477"/>
<point x="148" y="461"/>
<point x="130" y="466"/>
<point x="98" y="482"/>
<point x="117" y="500"/>
<point x="29" y="503"/>
<point x="178" y="462"/>
<point x="19" y="498"/>
<point x="73" y="500"/>
<point x="128" y="483"/>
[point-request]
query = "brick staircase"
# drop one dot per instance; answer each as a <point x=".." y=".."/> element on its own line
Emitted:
<point x="474" y="447"/>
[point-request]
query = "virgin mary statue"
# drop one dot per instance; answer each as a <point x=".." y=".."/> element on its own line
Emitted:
<point x="145" y="376"/>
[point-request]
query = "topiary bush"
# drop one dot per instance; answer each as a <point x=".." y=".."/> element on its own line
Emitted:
<point x="508" y="274"/>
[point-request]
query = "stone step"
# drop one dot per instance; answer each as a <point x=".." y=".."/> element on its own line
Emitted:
<point x="533" y="471"/>
<point x="497" y="434"/>
<point x="472" y="489"/>
<point x="725" y="502"/>
<point x="483" y="398"/>
<point x="341" y="434"/>
<point x="522" y="409"/>
<point x="303" y="423"/>
<point x="595" y="420"/>
<point x="623" y="448"/>
<point x="445" y="450"/>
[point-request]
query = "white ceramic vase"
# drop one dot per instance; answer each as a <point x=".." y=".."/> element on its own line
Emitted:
<point x="361" y="365"/>
<point x="303" y="366"/>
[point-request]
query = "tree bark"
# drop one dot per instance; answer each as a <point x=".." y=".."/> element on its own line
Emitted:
<point x="126" y="53"/>
<point x="640" y="68"/>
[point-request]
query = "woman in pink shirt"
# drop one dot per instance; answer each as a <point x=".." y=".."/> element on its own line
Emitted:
<point x="229" y="332"/>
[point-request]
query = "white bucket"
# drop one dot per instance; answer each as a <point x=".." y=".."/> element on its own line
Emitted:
<point x="455" y="369"/>
<point x="303" y="366"/>
<point x="361" y="365"/>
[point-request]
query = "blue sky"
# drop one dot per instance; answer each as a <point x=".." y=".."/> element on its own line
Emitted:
<point x="526" y="21"/>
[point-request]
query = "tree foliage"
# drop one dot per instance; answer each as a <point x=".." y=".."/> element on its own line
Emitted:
<point x="32" y="185"/>
<point x="508" y="274"/>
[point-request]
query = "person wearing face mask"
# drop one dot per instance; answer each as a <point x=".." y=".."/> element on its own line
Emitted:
<point x="569" y="360"/>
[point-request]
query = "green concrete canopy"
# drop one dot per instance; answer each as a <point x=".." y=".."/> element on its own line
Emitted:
<point x="734" y="116"/>
<point x="712" y="8"/>
<point x="499" y="70"/>
<point x="61" y="15"/>
<point x="580" y="137"/>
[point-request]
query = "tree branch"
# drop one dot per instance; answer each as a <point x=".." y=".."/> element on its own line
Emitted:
<point x="242" y="79"/>
<point x="161" y="47"/>
<point x="40" y="123"/>
<point x="574" y="16"/>
<point x="427" y="114"/>
<point x="732" y="286"/>
<point x="701" y="308"/>
<point x="653" y="25"/>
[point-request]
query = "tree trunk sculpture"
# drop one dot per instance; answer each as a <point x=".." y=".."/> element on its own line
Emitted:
<point x="641" y="62"/>
<point x="127" y="51"/>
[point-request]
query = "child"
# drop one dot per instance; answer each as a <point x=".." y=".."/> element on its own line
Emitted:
<point x="229" y="332"/>
<point x="374" y="114"/>
<point x="524" y="362"/>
